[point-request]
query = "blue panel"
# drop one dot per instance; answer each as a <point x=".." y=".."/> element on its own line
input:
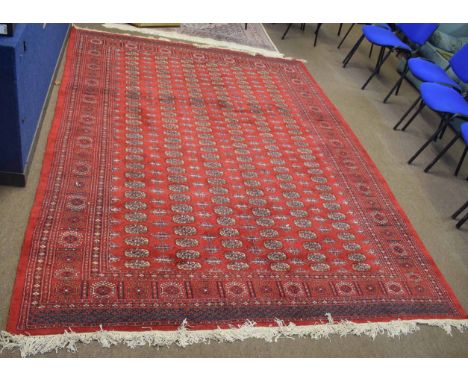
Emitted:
<point x="35" y="68"/>
<point x="29" y="59"/>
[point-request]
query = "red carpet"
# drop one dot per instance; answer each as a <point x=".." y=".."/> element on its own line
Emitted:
<point x="213" y="186"/>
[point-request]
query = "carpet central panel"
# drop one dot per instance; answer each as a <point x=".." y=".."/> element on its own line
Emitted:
<point x="212" y="186"/>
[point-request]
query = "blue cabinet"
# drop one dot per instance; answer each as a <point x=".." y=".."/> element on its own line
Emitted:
<point x="28" y="61"/>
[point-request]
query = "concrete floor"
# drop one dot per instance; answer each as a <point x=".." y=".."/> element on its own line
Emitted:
<point x="428" y="199"/>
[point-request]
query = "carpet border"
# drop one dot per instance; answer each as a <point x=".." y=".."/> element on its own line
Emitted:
<point x="34" y="215"/>
<point x="386" y="188"/>
<point x="17" y="292"/>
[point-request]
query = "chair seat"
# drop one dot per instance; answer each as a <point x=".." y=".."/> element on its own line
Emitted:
<point x="464" y="132"/>
<point x="383" y="37"/>
<point x="427" y="71"/>
<point x="443" y="99"/>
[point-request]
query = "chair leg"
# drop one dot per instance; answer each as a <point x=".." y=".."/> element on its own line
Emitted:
<point x="316" y="33"/>
<point x="399" y="85"/>
<point x="460" y="210"/>
<point x="420" y="108"/>
<point x="346" y="35"/>
<point x="441" y="135"/>
<point x="462" y="221"/>
<point x="441" y="154"/>
<point x="396" y="86"/>
<point x="339" y="29"/>
<point x="423" y="147"/>
<point x="371" y="50"/>
<point x="286" y="31"/>
<point x="407" y="113"/>
<point x="460" y="162"/>
<point x="379" y="59"/>
<point x="442" y="121"/>
<point x="245" y="26"/>
<point x="352" y="51"/>
<point x="377" y="69"/>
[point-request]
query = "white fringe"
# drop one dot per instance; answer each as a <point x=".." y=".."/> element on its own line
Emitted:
<point x="198" y="41"/>
<point x="32" y="345"/>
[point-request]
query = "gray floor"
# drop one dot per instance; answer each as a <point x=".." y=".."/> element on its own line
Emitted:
<point x="428" y="199"/>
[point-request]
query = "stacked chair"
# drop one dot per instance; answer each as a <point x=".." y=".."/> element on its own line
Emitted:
<point x="438" y="91"/>
<point x="426" y="71"/>
<point x="443" y="95"/>
<point x="415" y="35"/>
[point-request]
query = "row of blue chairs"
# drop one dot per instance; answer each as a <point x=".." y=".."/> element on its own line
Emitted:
<point x="438" y="91"/>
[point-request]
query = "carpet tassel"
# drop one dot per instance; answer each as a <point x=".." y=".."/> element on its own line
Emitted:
<point x="29" y="345"/>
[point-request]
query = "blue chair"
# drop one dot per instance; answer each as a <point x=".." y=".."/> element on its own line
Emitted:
<point x="427" y="71"/>
<point x="351" y="28"/>
<point x="416" y="34"/>
<point x="459" y="65"/>
<point x="450" y="104"/>
<point x="359" y="41"/>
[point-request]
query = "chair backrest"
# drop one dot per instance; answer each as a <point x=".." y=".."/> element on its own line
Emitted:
<point x="459" y="63"/>
<point x="418" y="33"/>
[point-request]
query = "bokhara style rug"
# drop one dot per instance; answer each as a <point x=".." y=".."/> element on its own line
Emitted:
<point x="253" y="39"/>
<point x="211" y="189"/>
